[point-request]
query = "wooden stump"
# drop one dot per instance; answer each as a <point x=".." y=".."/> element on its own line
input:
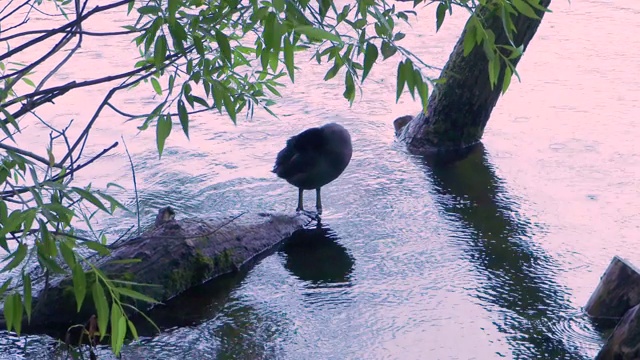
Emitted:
<point x="617" y="292"/>
<point x="624" y="342"/>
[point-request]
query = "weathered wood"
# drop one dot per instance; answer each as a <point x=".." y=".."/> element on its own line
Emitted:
<point x="175" y="256"/>
<point x="624" y="342"/>
<point x="459" y="108"/>
<point x="617" y="292"/>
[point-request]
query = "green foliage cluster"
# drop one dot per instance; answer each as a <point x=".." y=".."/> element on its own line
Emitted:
<point x="198" y="55"/>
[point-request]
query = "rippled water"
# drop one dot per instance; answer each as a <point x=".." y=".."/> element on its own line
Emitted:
<point x="489" y="257"/>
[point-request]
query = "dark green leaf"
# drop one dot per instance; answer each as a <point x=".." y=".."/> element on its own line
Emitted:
<point x="90" y="197"/>
<point x="469" y="41"/>
<point x="315" y="33"/>
<point x="387" y="49"/>
<point x="400" y="81"/>
<point x="135" y="295"/>
<point x="117" y="337"/>
<point x="423" y="91"/>
<point x="163" y="129"/>
<point x="288" y="57"/>
<point x="96" y="246"/>
<point x="398" y="36"/>
<point x="507" y="79"/>
<point x="16" y="258"/>
<point x="350" y="88"/>
<point x="67" y="253"/>
<point x="225" y="47"/>
<point x="27" y="290"/>
<point x="370" y="57"/>
<point x="160" y="51"/>
<point x="8" y="311"/>
<point x="17" y="312"/>
<point x="183" y="115"/>
<point x="79" y="284"/>
<point x="524" y="8"/>
<point x="440" y="14"/>
<point x="102" y="308"/>
<point x="149" y="10"/>
<point x="156" y="86"/>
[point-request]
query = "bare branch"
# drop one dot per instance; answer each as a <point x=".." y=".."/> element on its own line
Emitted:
<point x="62" y="28"/>
<point x="28" y="154"/>
<point x="13" y="11"/>
<point x="59" y="176"/>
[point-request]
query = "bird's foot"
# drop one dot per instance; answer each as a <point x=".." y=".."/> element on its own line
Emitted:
<point x="309" y="213"/>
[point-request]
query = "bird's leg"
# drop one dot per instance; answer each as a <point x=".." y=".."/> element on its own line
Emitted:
<point x="300" y="207"/>
<point x="318" y="202"/>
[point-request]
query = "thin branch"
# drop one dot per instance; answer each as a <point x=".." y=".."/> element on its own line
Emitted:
<point x="62" y="28"/>
<point x="74" y="32"/>
<point x="135" y="183"/>
<point x="110" y="94"/>
<point x="13" y="11"/>
<point x="14" y="192"/>
<point x="28" y="154"/>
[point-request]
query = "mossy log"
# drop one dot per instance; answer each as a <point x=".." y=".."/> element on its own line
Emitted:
<point x="460" y="107"/>
<point x="174" y="256"/>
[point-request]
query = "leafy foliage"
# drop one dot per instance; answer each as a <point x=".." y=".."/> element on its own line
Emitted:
<point x="223" y="55"/>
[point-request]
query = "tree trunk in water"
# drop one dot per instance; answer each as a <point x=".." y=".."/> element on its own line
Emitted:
<point x="459" y="109"/>
<point x="175" y="255"/>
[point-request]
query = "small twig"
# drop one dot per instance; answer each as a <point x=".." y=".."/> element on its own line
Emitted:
<point x="14" y="192"/>
<point x="135" y="184"/>
<point x="28" y="154"/>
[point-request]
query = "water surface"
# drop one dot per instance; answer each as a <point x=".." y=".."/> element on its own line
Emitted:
<point x="489" y="257"/>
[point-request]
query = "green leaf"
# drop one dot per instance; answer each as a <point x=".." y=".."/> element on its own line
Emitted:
<point x="156" y="86"/>
<point x="524" y="8"/>
<point x="387" y="49"/>
<point x="350" y="88"/>
<point x="17" y="312"/>
<point x="5" y="286"/>
<point x="90" y="197"/>
<point x="225" y="47"/>
<point x="288" y="57"/>
<point x="183" y="115"/>
<point x="133" y="330"/>
<point x="507" y="79"/>
<point x="440" y="14"/>
<point x="79" y="284"/>
<point x="160" y="51"/>
<point x="27" y="290"/>
<point x="96" y="246"/>
<point x="315" y="33"/>
<point x="370" y="57"/>
<point x="494" y="71"/>
<point x="8" y="311"/>
<point x="149" y="10"/>
<point x="398" y="36"/>
<point x="28" y="82"/>
<point x="136" y="295"/>
<point x="400" y="81"/>
<point x="172" y="8"/>
<point x="102" y="308"/>
<point x="67" y="254"/>
<point x="278" y="5"/>
<point x="17" y="257"/>
<point x="163" y="129"/>
<point x="423" y="91"/>
<point x="469" y="41"/>
<point x="229" y="106"/>
<point x="117" y="338"/>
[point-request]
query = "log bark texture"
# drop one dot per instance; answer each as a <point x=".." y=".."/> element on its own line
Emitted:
<point x="617" y="292"/>
<point x="459" y="108"/>
<point x="175" y="256"/>
<point x="624" y="342"/>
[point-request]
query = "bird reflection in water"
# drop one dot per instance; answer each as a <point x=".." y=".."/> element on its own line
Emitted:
<point x="315" y="256"/>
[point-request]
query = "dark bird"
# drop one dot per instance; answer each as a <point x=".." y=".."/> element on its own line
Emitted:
<point x="314" y="158"/>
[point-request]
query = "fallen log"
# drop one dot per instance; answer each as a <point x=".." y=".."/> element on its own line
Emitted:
<point x="174" y="255"/>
